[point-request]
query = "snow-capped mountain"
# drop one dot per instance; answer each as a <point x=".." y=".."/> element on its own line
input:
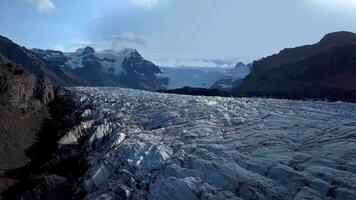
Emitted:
<point x="110" y="61"/>
<point x="126" y="68"/>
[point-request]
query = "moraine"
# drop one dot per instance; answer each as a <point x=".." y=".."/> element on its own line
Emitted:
<point x="143" y="145"/>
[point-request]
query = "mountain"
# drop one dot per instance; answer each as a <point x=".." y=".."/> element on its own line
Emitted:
<point x="85" y="67"/>
<point x="326" y="69"/>
<point x="126" y="68"/>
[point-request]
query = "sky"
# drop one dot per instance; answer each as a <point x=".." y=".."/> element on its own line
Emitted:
<point x="171" y="31"/>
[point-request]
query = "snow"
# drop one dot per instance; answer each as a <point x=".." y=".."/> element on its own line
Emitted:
<point x="74" y="61"/>
<point x="113" y="62"/>
<point x="144" y="145"/>
<point x="110" y="61"/>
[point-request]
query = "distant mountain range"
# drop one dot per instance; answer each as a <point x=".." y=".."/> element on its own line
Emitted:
<point x="203" y="77"/>
<point x="326" y="69"/>
<point x="85" y="67"/>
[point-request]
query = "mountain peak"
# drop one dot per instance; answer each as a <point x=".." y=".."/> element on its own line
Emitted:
<point x="338" y="38"/>
<point x="239" y="64"/>
<point x="85" y="51"/>
<point x="88" y="50"/>
<point x="129" y="52"/>
<point x="3" y="38"/>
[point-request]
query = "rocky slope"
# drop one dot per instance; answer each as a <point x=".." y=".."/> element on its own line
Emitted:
<point x="23" y="100"/>
<point x="34" y="114"/>
<point x="14" y="53"/>
<point x="323" y="70"/>
<point x="143" y="145"/>
<point x="23" y="91"/>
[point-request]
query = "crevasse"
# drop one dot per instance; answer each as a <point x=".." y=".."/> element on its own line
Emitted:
<point x="143" y="145"/>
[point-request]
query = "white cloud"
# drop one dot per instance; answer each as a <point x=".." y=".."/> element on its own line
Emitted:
<point x="145" y="3"/>
<point x="190" y="62"/>
<point x="42" y="5"/>
<point x="95" y="15"/>
<point x="339" y="6"/>
<point x="115" y="42"/>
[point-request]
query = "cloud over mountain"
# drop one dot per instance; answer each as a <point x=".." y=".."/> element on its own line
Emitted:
<point x="115" y="42"/>
<point x="42" y="5"/>
<point x="145" y="3"/>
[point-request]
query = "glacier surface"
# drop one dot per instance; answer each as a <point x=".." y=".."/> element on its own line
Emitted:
<point x="143" y="145"/>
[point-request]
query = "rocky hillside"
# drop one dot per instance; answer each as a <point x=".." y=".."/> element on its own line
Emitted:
<point x="326" y="69"/>
<point x="23" y="109"/>
<point x="12" y="52"/>
<point x="22" y="91"/>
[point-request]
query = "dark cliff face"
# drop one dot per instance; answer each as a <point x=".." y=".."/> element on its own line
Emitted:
<point x="325" y="70"/>
<point x="22" y="91"/>
<point x="92" y="72"/>
<point x="141" y="74"/>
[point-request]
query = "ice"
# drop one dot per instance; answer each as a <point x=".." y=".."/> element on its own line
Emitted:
<point x="143" y="145"/>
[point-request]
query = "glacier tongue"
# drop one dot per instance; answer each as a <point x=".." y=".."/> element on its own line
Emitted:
<point x="143" y="145"/>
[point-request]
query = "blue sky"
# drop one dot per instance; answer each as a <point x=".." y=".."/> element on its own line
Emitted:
<point x="175" y="28"/>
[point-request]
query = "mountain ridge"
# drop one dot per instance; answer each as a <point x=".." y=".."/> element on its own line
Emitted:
<point x="310" y="71"/>
<point x="86" y="67"/>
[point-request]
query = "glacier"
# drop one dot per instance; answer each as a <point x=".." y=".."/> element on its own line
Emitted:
<point x="145" y="145"/>
<point x="201" y="77"/>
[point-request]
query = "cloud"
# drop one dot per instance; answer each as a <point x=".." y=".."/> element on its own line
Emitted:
<point x="115" y="42"/>
<point x="185" y="62"/>
<point x="192" y="62"/>
<point x="95" y="15"/>
<point x="128" y="40"/>
<point x="145" y="3"/>
<point x="42" y="6"/>
<point x="341" y="6"/>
